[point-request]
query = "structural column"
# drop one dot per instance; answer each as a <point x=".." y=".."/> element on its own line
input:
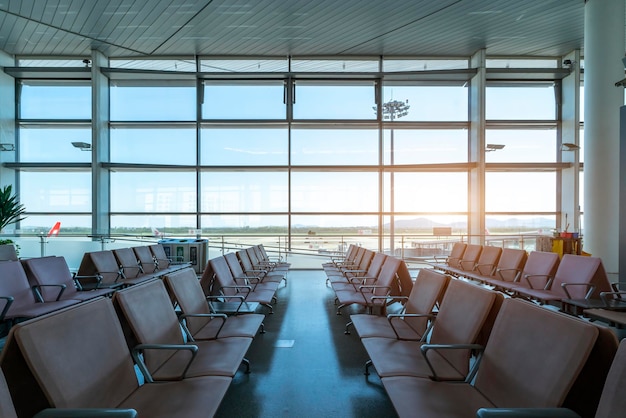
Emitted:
<point x="476" y="186"/>
<point x="7" y="120"/>
<point x="100" y="145"/>
<point x="604" y="49"/>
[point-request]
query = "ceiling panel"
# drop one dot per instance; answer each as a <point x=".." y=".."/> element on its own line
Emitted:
<point x="126" y="28"/>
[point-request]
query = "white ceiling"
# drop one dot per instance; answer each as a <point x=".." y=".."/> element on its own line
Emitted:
<point x="127" y="28"/>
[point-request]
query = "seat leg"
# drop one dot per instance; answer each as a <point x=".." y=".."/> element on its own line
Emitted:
<point x="269" y="307"/>
<point x="339" y="308"/>
<point x="246" y="363"/>
<point x="262" y="328"/>
<point x="347" y="330"/>
<point x="368" y="363"/>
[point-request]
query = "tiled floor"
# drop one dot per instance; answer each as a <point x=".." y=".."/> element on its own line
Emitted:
<point x="304" y="365"/>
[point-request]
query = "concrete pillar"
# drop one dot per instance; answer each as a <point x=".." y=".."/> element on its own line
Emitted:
<point x="604" y="49"/>
<point x="7" y="120"/>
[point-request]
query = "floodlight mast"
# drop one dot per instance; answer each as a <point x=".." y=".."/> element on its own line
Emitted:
<point x="391" y="110"/>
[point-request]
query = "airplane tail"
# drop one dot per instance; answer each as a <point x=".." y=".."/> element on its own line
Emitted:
<point x="54" y="231"/>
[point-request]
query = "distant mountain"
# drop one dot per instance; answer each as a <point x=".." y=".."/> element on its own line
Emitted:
<point x="491" y="223"/>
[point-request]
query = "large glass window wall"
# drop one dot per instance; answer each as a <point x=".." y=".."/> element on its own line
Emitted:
<point x="298" y="157"/>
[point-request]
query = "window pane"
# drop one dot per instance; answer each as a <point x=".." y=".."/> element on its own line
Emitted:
<point x="244" y="192"/>
<point x="243" y="101"/>
<point x="147" y="224"/>
<point x="244" y="146"/>
<point x="174" y="145"/>
<point x="334" y="66"/>
<point x="53" y="143"/>
<point x="410" y="190"/>
<point x="532" y="145"/>
<point x="56" y="191"/>
<point x="334" y="101"/>
<point x="162" y="102"/>
<point x="426" y="146"/>
<point x="427" y="103"/>
<point x="153" y="191"/>
<point x="519" y="224"/>
<point x="520" y="103"/>
<point x="334" y="147"/>
<point x="334" y="192"/>
<point x="394" y="65"/>
<point x="520" y="192"/>
<point x="55" y="100"/>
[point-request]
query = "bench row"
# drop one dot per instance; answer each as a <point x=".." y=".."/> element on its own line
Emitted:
<point x="540" y="276"/>
<point x="98" y="345"/>
<point x="484" y="350"/>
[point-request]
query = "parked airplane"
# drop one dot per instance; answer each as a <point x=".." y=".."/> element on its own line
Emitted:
<point x="54" y="231"/>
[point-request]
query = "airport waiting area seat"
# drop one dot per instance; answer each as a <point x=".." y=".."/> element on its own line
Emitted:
<point x="87" y="363"/>
<point x="198" y="318"/>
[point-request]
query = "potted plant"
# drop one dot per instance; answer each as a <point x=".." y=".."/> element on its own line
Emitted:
<point x="11" y="210"/>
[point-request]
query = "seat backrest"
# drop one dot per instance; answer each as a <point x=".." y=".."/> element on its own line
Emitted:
<point x="580" y="270"/>
<point x="127" y="259"/>
<point x="223" y="275"/>
<point x="185" y="289"/>
<point x="404" y="283"/>
<point x="428" y="290"/>
<point x="488" y="260"/>
<point x="612" y="401"/>
<point x="461" y="316"/>
<point x="104" y="264"/>
<point x="375" y="265"/>
<point x="254" y="258"/>
<point x="366" y="259"/>
<point x="146" y="259"/>
<point x="8" y="252"/>
<point x="234" y="265"/>
<point x="456" y="254"/>
<point x="148" y="310"/>
<point x="163" y="261"/>
<point x="470" y="256"/>
<point x="49" y="271"/>
<point x="541" y="264"/>
<point x="511" y="264"/>
<point x="14" y="283"/>
<point x="387" y="276"/>
<point x="7" y="410"/>
<point x="78" y="355"/>
<point x="360" y="252"/>
<point x="533" y="356"/>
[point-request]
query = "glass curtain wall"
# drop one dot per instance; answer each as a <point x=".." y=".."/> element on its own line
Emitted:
<point x="304" y="158"/>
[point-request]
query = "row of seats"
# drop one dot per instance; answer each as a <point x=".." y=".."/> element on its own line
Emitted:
<point x="247" y="275"/>
<point x="540" y="276"/>
<point x="458" y="347"/>
<point x="86" y="355"/>
<point x="125" y="266"/>
<point x="35" y="286"/>
<point x="368" y="278"/>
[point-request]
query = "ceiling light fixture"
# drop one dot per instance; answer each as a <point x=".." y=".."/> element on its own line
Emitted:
<point x="7" y="147"/>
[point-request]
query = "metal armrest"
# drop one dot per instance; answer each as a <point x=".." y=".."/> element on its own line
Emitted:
<point x="7" y="305"/>
<point x="515" y="278"/>
<point x="183" y="323"/>
<point x="463" y="262"/>
<point x="138" y="349"/>
<point x="547" y="277"/>
<point x="478" y="267"/>
<point x="241" y="301"/>
<point x="603" y="295"/>
<point x="37" y="290"/>
<point x="425" y="348"/>
<point x="391" y="318"/>
<point x="238" y="288"/>
<point x="526" y="413"/>
<point x="86" y="413"/>
<point x="587" y="295"/>
<point x="79" y="285"/>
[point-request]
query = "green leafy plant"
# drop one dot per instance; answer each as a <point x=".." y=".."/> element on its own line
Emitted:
<point x="11" y="210"/>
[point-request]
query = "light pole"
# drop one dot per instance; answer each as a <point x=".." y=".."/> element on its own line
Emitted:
<point x="393" y="109"/>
